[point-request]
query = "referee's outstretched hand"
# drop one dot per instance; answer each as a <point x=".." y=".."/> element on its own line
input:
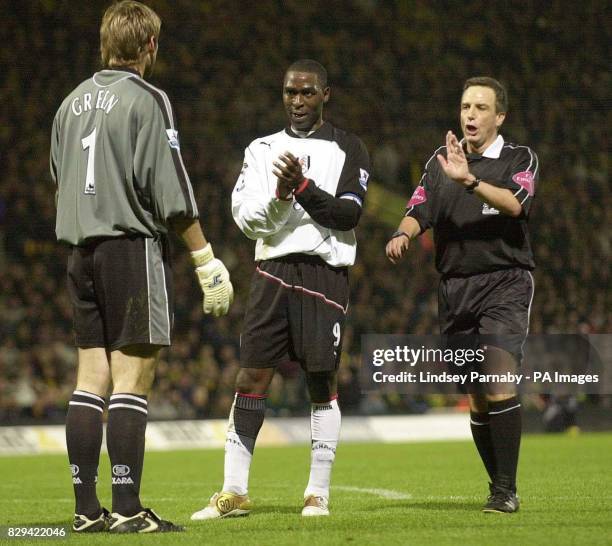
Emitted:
<point x="455" y="163"/>
<point x="396" y="248"/>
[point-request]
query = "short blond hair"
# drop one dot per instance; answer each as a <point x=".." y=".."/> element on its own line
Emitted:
<point x="126" y="29"/>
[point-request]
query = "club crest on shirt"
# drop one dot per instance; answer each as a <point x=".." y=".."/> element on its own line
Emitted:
<point x="305" y="163"/>
<point x="363" y="178"/>
<point x="525" y="180"/>
<point x="173" y="138"/>
<point x="418" y="197"/>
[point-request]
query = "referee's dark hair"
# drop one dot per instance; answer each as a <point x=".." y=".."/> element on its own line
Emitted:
<point x="501" y="95"/>
<point x="312" y="67"/>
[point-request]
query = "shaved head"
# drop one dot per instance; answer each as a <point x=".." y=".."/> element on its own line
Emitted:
<point x="311" y="67"/>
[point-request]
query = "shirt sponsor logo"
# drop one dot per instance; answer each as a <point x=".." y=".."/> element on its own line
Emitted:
<point x="525" y="180"/>
<point x="173" y="138"/>
<point x="486" y="209"/>
<point x="305" y="163"/>
<point x="363" y="178"/>
<point x="418" y="197"/>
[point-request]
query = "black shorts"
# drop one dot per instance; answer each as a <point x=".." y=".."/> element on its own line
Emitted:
<point x="296" y="311"/>
<point x="121" y="293"/>
<point x="487" y="309"/>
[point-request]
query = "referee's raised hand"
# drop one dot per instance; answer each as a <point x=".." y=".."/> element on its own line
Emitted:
<point x="455" y="163"/>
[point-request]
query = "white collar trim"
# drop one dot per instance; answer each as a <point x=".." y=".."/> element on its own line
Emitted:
<point x="494" y="150"/>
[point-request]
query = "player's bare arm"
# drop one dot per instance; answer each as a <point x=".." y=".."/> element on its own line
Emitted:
<point x="456" y="167"/>
<point x="398" y="245"/>
<point x="190" y="233"/>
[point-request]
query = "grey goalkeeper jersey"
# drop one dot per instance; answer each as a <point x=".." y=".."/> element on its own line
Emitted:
<point x="116" y="161"/>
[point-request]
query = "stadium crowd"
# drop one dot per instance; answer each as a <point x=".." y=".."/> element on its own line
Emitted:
<point x="396" y="69"/>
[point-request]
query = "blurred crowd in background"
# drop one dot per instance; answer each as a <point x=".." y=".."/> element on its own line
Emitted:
<point x="396" y="71"/>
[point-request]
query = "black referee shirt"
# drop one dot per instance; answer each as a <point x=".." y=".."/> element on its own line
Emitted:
<point x="471" y="237"/>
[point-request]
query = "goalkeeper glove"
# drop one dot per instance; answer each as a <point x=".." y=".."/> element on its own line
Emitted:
<point x="214" y="281"/>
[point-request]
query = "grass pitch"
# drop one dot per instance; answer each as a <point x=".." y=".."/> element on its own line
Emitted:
<point x="428" y="493"/>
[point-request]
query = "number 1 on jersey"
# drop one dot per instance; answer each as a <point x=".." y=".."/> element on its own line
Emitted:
<point x="90" y="142"/>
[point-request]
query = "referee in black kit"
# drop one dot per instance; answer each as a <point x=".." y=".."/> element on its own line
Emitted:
<point x="476" y="194"/>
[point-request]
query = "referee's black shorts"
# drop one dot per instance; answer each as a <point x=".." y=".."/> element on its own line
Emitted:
<point x="121" y="292"/>
<point x="487" y="309"/>
<point x="295" y="312"/>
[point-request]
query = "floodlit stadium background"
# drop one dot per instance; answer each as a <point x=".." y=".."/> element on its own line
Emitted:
<point x="396" y="71"/>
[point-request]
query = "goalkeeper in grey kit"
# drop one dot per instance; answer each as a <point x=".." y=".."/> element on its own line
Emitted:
<point x="121" y="186"/>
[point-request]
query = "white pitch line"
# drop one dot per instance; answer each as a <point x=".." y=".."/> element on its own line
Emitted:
<point x="383" y="493"/>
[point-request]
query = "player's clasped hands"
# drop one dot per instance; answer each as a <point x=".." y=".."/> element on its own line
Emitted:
<point x="214" y="281"/>
<point x="288" y="171"/>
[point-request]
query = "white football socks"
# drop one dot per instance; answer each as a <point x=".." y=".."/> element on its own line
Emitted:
<point x="325" y="431"/>
<point x="237" y="465"/>
<point x="245" y="420"/>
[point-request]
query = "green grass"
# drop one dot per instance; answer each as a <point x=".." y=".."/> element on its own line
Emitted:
<point x="565" y="487"/>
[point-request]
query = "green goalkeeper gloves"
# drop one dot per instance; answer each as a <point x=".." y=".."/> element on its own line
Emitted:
<point x="214" y="281"/>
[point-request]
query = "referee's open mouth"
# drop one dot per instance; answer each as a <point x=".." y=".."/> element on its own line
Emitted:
<point x="470" y="129"/>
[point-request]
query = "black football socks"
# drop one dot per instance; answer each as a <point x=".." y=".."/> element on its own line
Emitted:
<point x="84" y="439"/>
<point x="125" y="440"/>
<point x="481" y="432"/>
<point x="505" y="427"/>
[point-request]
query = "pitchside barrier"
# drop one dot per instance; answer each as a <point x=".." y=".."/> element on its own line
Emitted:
<point x="170" y="435"/>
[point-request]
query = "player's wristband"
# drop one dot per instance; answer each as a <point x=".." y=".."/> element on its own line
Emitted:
<point x="301" y="187"/>
<point x="473" y="185"/>
<point x="400" y="233"/>
<point x="203" y="256"/>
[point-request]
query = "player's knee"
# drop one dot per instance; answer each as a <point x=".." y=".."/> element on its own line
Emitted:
<point x="133" y="369"/>
<point x="501" y="397"/>
<point x="322" y="386"/>
<point x="254" y="380"/>
<point x="94" y="372"/>
<point x="478" y="403"/>
<point x="94" y="383"/>
<point x="133" y="383"/>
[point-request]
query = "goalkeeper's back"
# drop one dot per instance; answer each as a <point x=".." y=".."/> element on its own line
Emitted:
<point x="115" y="158"/>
